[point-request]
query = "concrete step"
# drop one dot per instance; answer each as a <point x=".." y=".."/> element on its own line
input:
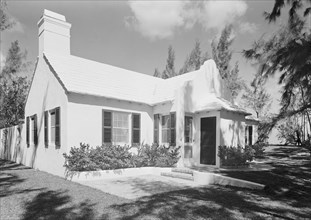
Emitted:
<point x="178" y="175"/>
<point x="182" y="170"/>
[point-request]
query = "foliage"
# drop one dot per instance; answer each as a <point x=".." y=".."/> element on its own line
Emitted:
<point x="6" y="21"/>
<point x="287" y="52"/>
<point x="259" y="150"/>
<point x="235" y="156"/>
<point x="287" y="130"/>
<point x="194" y="60"/>
<point x="222" y="55"/>
<point x="13" y="86"/>
<point x="170" y="66"/>
<point x="108" y="157"/>
<point x="13" y="98"/>
<point x="256" y="97"/>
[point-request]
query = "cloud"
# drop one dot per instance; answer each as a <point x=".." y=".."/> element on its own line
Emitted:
<point x="17" y="27"/>
<point x="247" y="27"/>
<point x="156" y="19"/>
<point x="160" y="19"/>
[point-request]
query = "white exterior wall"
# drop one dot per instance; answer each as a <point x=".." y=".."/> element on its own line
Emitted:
<point x="85" y="119"/>
<point x="46" y="93"/>
<point x="232" y="126"/>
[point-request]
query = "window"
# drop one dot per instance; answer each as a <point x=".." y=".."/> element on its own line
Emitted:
<point x="120" y="132"/>
<point x="46" y="128"/>
<point x="116" y="128"/>
<point x="31" y="130"/>
<point x="188" y="129"/>
<point x="52" y="127"/>
<point x="156" y="130"/>
<point x="166" y="129"/>
<point x="169" y="128"/>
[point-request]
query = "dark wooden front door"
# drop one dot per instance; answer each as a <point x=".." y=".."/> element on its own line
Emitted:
<point x="208" y="141"/>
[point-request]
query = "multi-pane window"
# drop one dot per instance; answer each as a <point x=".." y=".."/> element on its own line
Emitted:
<point x="52" y="119"/>
<point x="31" y="130"/>
<point x="156" y="122"/>
<point x="116" y="127"/>
<point x="166" y="121"/>
<point x="188" y="129"/>
<point x="120" y="133"/>
<point x="52" y="127"/>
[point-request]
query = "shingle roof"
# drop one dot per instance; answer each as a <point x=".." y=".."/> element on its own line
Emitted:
<point x="79" y="75"/>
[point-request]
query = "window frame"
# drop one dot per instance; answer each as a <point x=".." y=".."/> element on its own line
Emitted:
<point x="130" y="117"/>
<point x="191" y="130"/>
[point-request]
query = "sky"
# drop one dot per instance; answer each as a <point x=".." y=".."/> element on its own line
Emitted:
<point x="135" y="35"/>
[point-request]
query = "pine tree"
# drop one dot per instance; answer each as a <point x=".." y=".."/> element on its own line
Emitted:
<point x="13" y="87"/>
<point x="222" y="55"/>
<point x="195" y="59"/>
<point x="6" y="22"/>
<point x="170" y="64"/>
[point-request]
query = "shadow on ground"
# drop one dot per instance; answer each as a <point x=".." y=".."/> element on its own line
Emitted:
<point x="290" y="178"/>
<point x="202" y="203"/>
<point x="56" y="205"/>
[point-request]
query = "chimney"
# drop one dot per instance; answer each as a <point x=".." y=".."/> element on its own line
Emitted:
<point x="54" y="33"/>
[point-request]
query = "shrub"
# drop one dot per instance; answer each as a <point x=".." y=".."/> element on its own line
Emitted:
<point x="107" y="157"/>
<point x="235" y="156"/>
<point x="259" y="149"/>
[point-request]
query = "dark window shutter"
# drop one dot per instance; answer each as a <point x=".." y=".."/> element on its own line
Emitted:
<point x="57" y="128"/>
<point x="35" y="133"/>
<point x="173" y="129"/>
<point x="250" y="130"/>
<point x="136" y="128"/>
<point x="46" y="127"/>
<point x="106" y="127"/>
<point x="156" y="121"/>
<point x="27" y="131"/>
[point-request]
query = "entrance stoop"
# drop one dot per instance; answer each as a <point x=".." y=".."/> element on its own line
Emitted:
<point x="180" y="173"/>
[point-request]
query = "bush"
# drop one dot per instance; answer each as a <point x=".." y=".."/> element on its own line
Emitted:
<point x="235" y="156"/>
<point x="108" y="157"/>
<point x="259" y="149"/>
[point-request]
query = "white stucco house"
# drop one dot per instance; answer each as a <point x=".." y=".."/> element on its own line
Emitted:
<point x="73" y="100"/>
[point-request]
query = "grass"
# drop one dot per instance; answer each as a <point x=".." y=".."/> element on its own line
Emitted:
<point x="29" y="194"/>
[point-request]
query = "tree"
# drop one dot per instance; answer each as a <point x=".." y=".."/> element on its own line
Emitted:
<point x="222" y="56"/>
<point x="170" y="66"/>
<point x="287" y="52"/>
<point x="6" y="21"/>
<point x="288" y="130"/>
<point x="13" y="100"/>
<point x="14" y="62"/>
<point x="194" y="60"/>
<point x="13" y="87"/>
<point x="157" y="73"/>
<point x="256" y="97"/>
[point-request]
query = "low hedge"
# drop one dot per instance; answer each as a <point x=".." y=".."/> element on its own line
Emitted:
<point x="108" y="157"/>
<point x="235" y="156"/>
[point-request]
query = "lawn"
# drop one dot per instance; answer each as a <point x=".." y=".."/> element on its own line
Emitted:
<point x="29" y="194"/>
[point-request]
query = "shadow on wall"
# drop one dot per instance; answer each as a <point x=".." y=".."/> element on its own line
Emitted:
<point x="233" y="136"/>
<point x="40" y="123"/>
<point x="56" y="205"/>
